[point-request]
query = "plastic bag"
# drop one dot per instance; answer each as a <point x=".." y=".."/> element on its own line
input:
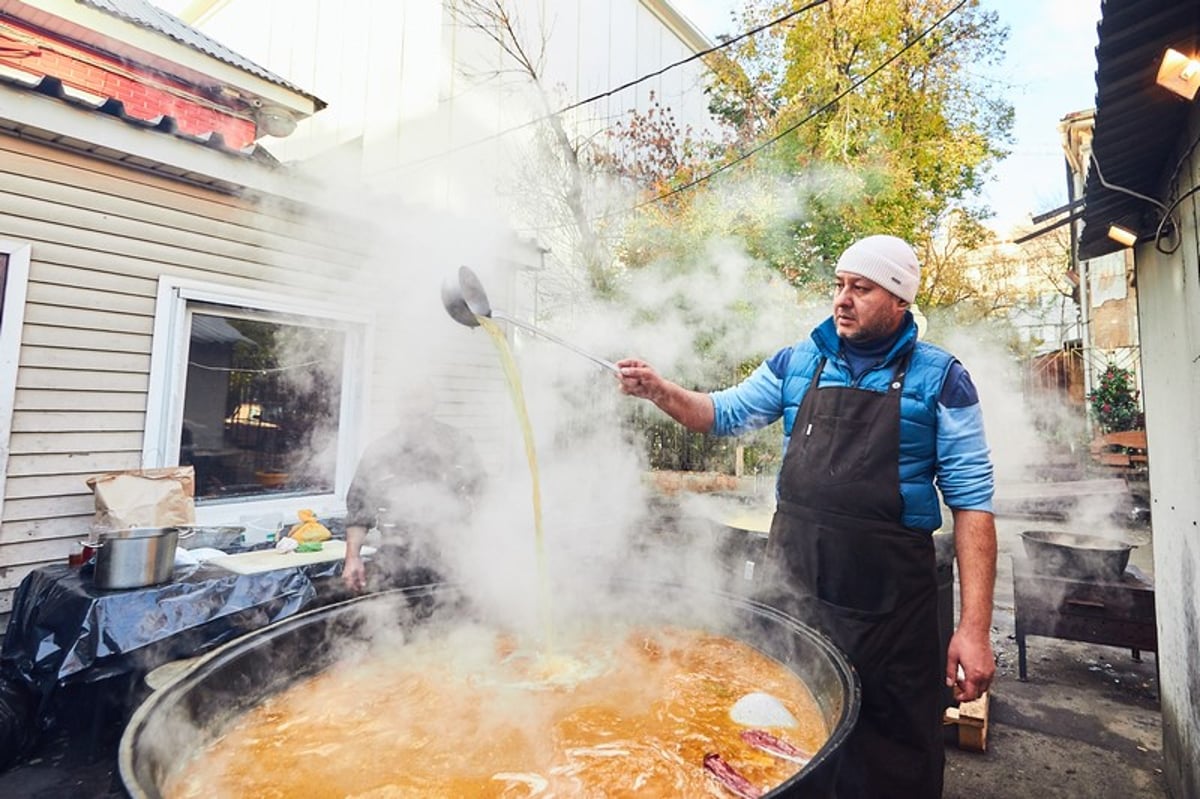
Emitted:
<point x="144" y="498"/>
<point x="17" y="731"/>
<point x="309" y="529"/>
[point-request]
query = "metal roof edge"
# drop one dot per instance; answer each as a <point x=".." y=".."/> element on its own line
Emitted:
<point x="1137" y="122"/>
<point x="104" y="29"/>
<point x="680" y="25"/>
<point x="78" y="127"/>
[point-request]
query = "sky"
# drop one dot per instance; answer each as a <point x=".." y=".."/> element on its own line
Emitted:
<point x="1049" y="71"/>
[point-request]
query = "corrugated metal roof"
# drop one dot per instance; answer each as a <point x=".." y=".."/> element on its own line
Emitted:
<point x="1138" y="122"/>
<point x="145" y="15"/>
<point x="54" y="87"/>
<point x="215" y="330"/>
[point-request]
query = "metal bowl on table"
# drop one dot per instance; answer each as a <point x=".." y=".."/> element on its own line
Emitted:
<point x="214" y="537"/>
<point x="1073" y="555"/>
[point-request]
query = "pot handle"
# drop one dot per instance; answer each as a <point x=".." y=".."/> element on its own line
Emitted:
<point x="185" y="531"/>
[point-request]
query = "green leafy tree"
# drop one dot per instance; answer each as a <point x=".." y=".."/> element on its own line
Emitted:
<point x="896" y="154"/>
<point x="1114" y="401"/>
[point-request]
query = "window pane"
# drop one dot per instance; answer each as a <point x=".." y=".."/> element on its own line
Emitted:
<point x="260" y="410"/>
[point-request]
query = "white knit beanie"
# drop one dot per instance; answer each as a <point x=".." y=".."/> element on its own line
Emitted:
<point x="886" y="260"/>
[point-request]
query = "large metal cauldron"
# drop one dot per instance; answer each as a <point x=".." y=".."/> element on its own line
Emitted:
<point x="1076" y="556"/>
<point x="191" y="710"/>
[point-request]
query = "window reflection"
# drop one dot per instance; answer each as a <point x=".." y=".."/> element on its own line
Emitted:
<point x="260" y="413"/>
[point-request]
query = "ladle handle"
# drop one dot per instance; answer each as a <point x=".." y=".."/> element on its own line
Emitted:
<point x="612" y="367"/>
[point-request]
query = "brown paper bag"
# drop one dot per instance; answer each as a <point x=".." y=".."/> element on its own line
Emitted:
<point x="144" y="498"/>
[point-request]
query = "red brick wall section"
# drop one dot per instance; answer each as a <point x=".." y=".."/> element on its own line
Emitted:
<point x="145" y="95"/>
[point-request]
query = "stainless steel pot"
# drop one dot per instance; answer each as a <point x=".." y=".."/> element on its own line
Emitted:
<point x="136" y="557"/>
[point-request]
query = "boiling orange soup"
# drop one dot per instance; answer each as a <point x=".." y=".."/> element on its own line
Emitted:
<point x="624" y="715"/>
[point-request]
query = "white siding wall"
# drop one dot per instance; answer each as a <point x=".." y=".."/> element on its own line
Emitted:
<point x="411" y="85"/>
<point x="1169" y="320"/>
<point x="100" y="236"/>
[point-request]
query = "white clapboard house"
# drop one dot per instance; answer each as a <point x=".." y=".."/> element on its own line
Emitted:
<point x="177" y="288"/>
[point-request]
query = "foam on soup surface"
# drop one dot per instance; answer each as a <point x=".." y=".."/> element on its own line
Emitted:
<point x="630" y="714"/>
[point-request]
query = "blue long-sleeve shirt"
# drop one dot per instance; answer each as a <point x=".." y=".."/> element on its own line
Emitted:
<point x="942" y="441"/>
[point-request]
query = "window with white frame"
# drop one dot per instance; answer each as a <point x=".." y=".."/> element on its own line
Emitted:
<point x="14" y="277"/>
<point x="261" y="396"/>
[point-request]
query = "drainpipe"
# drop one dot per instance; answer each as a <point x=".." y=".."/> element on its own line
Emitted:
<point x="1074" y="189"/>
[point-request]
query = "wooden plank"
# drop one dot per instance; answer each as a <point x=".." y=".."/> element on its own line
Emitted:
<point x="154" y="259"/>
<point x="31" y="400"/>
<point x="78" y="420"/>
<point x="132" y="236"/>
<point x="1133" y="439"/>
<point x="36" y="485"/>
<point x="79" y="224"/>
<point x="72" y="298"/>
<point x="248" y="227"/>
<point x="82" y="170"/>
<point x="84" y="360"/>
<point x="27" y="510"/>
<point x="34" y="179"/>
<point x="83" y="463"/>
<point x="53" y="165"/>
<point x="270" y="560"/>
<point x="41" y="540"/>
<point x="69" y="380"/>
<point x="971" y="719"/>
<point x="95" y="280"/>
<point x="87" y="319"/>
<point x="69" y="338"/>
<point x="75" y="441"/>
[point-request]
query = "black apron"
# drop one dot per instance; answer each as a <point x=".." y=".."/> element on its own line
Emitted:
<point x="841" y="560"/>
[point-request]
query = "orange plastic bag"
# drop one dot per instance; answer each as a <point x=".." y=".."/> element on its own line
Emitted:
<point x="309" y="530"/>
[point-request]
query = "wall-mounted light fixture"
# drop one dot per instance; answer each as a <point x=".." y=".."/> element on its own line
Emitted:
<point x="1179" y="73"/>
<point x="274" y="121"/>
<point x="1122" y="235"/>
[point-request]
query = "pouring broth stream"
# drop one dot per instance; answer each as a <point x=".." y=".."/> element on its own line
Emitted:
<point x="626" y="711"/>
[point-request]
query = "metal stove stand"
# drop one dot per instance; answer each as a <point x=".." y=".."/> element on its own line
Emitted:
<point x="1110" y="612"/>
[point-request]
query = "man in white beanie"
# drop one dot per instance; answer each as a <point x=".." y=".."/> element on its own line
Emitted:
<point x="875" y="422"/>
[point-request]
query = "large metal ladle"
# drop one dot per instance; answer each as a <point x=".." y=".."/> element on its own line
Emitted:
<point x="466" y="301"/>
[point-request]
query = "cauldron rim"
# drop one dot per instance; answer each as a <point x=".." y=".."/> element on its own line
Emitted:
<point x="827" y="757"/>
<point x="1077" y="541"/>
<point x="1076" y="555"/>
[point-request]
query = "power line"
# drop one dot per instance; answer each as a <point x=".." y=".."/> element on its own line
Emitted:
<point x="765" y="144"/>
<point x="614" y="90"/>
<point x="768" y="142"/>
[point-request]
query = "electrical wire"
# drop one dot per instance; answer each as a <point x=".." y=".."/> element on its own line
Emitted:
<point x="261" y="371"/>
<point x="792" y="128"/>
<point x="1158" y="233"/>
<point x="1166" y="210"/>
<point x="1122" y="189"/>
<point x="614" y="90"/>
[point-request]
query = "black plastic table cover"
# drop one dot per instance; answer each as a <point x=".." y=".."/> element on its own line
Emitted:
<point x="63" y="630"/>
